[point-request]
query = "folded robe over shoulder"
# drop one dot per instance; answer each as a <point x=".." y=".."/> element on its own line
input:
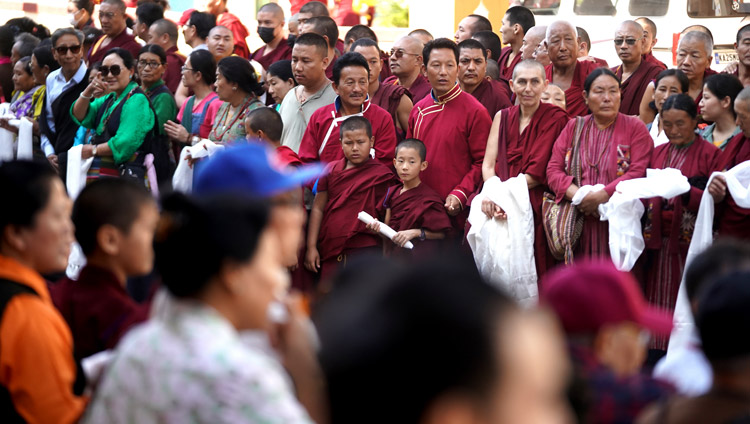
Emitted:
<point x="350" y="191"/>
<point x="633" y="88"/>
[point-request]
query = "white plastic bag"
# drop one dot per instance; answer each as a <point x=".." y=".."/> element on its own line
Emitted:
<point x="182" y="180"/>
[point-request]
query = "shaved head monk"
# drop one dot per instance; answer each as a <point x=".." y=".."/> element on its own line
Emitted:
<point x="634" y="72"/>
<point x="649" y="37"/>
<point x="471" y="25"/>
<point x="521" y="141"/>
<point x="454" y="126"/>
<point x="585" y="46"/>
<point x="327" y="28"/>
<point x="472" y="76"/>
<point x="351" y="80"/>
<point x="271" y="31"/>
<point x="422" y="35"/>
<point x="531" y="40"/>
<point x="742" y="46"/>
<point x="112" y="19"/>
<point x="220" y="42"/>
<point x="395" y="99"/>
<point x="406" y="66"/>
<point x="565" y="69"/>
<point x="219" y="9"/>
<point x="517" y="21"/>
<point x="733" y="220"/>
<point x="315" y="9"/>
<point x="309" y="63"/>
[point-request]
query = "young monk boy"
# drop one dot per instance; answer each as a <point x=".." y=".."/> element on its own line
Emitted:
<point x="265" y="124"/>
<point x="354" y="183"/>
<point x="411" y="208"/>
<point x="115" y="221"/>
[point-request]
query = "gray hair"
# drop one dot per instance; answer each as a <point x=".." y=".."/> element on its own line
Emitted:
<point x="702" y="37"/>
<point x="58" y="34"/>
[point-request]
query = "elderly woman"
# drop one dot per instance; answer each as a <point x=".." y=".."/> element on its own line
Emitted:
<point x="605" y="147"/>
<point x="668" y="82"/>
<point x="280" y="80"/>
<point x="717" y="106"/>
<point x="121" y="119"/>
<point x="152" y="61"/>
<point x="669" y="223"/>
<point x="29" y="94"/>
<point x="238" y="87"/>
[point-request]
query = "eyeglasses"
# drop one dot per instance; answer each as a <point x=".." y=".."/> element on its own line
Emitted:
<point x="108" y="15"/>
<point x="399" y="53"/>
<point x="145" y="64"/>
<point x="185" y="68"/>
<point x="114" y="69"/>
<point x="630" y="41"/>
<point x="63" y="50"/>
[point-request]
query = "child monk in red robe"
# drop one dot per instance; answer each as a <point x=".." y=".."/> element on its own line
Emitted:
<point x="411" y="208"/>
<point x="354" y="184"/>
<point x="265" y="124"/>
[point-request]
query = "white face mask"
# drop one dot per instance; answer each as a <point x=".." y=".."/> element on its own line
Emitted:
<point x="72" y="19"/>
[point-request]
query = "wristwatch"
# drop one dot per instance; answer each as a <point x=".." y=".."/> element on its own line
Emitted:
<point x="93" y="151"/>
<point x="195" y="140"/>
<point x="422" y="236"/>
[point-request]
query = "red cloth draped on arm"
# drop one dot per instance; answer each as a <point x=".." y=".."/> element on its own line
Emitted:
<point x="574" y="94"/>
<point x="492" y="96"/>
<point x="649" y="57"/>
<point x="239" y="31"/>
<point x="389" y="97"/>
<point x="506" y="69"/>
<point x="633" y="88"/>
<point x="420" y="89"/>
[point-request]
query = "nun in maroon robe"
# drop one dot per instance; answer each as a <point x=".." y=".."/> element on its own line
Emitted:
<point x="574" y="103"/>
<point x="282" y="52"/>
<point x="492" y="95"/>
<point x="633" y="88"/>
<point x="732" y="220"/>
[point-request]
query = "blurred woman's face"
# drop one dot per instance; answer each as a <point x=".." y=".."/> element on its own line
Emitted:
<point x="712" y="107"/>
<point x="40" y="74"/>
<point x="224" y="89"/>
<point x="603" y="98"/>
<point x="116" y="83"/>
<point x="678" y="126"/>
<point x="150" y="68"/>
<point x="278" y="88"/>
<point x="189" y="76"/>
<point x="667" y="86"/>
<point x="23" y="80"/>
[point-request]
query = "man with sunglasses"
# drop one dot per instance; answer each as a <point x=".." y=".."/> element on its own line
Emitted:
<point x="112" y="19"/>
<point x="635" y="73"/>
<point x="406" y="66"/>
<point x="63" y="88"/>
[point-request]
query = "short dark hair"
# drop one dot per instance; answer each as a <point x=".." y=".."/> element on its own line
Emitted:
<point x="439" y="43"/>
<point x="681" y="102"/>
<point x="355" y="123"/>
<point x="364" y="42"/>
<point x="165" y="26"/>
<point x="596" y="73"/>
<point x="649" y="22"/>
<point x="348" y="59"/>
<point x="723" y="256"/>
<point x="27" y="44"/>
<point x="472" y="44"/>
<point x="66" y="31"/>
<point x="203" y="22"/>
<point x="481" y="24"/>
<point x="325" y="26"/>
<point x="359" y="32"/>
<point x="120" y="4"/>
<point x="724" y="85"/>
<point x="25" y="64"/>
<point x="266" y="119"/>
<point x="148" y="13"/>
<point x="490" y="41"/>
<point x="154" y="49"/>
<point x="86" y="5"/>
<point x="44" y="57"/>
<point x="315" y="8"/>
<point x="223" y="227"/>
<point x="413" y="143"/>
<point x="315" y="40"/>
<point x="27" y="25"/>
<point x="426" y="336"/>
<point x="281" y="70"/>
<point x="722" y="314"/>
<point x="27" y="187"/>
<point x="522" y="16"/>
<point x="127" y="58"/>
<point x="7" y="37"/>
<point x="203" y="61"/>
<point x="239" y="71"/>
<point x="681" y="77"/>
<point x="584" y="36"/>
<point x="107" y="201"/>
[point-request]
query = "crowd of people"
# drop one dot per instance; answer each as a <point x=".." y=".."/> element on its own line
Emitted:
<point x="321" y="231"/>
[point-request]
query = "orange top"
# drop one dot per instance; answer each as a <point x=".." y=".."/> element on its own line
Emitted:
<point x="36" y="352"/>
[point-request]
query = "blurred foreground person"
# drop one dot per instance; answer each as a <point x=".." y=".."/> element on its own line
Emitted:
<point x="608" y="326"/>
<point x="435" y="351"/>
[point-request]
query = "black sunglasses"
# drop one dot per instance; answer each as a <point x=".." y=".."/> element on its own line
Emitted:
<point x="63" y="50"/>
<point x="629" y="41"/>
<point x="115" y="69"/>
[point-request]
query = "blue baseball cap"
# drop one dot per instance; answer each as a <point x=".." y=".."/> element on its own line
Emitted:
<point x="252" y="168"/>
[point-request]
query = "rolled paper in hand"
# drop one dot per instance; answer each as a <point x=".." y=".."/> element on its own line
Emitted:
<point x="384" y="229"/>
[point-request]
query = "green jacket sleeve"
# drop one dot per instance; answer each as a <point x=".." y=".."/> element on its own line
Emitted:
<point x="135" y="121"/>
<point x="166" y="109"/>
<point x="89" y="121"/>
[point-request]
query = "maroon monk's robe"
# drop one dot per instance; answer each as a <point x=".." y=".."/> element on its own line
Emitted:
<point x="124" y="40"/>
<point x="506" y="69"/>
<point x="649" y="57"/>
<point x="97" y="309"/>
<point x="454" y="128"/>
<point x="389" y="97"/>
<point x="239" y="31"/>
<point x="574" y="94"/>
<point x="173" y="73"/>
<point x="324" y="128"/>
<point x="492" y="96"/>
<point x="732" y="220"/>
<point x="417" y="208"/>
<point x="385" y="70"/>
<point x="287" y="156"/>
<point x="633" y="88"/>
<point x="669" y="224"/>
<point x="619" y="152"/>
<point x="600" y="62"/>
<point x="528" y="153"/>
<point x="350" y="191"/>
<point x="281" y="52"/>
<point x="419" y="89"/>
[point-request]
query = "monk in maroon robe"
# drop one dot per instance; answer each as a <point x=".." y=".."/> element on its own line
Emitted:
<point x="472" y="76"/>
<point x="649" y="39"/>
<point x="520" y="142"/>
<point x="355" y="183"/>
<point x="635" y="74"/>
<point x="454" y="126"/>
<point x="271" y="31"/>
<point x="113" y="24"/>
<point x="694" y="59"/>
<point x="565" y="70"/>
<point x="650" y="58"/>
<point x="517" y="21"/>
<point x="613" y="147"/>
<point x="239" y="32"/>
<point x="406" y="66"/>
<point x="506" y="63"/>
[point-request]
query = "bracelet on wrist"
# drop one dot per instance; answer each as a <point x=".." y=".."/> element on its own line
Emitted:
<point x="84" y="96"/>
